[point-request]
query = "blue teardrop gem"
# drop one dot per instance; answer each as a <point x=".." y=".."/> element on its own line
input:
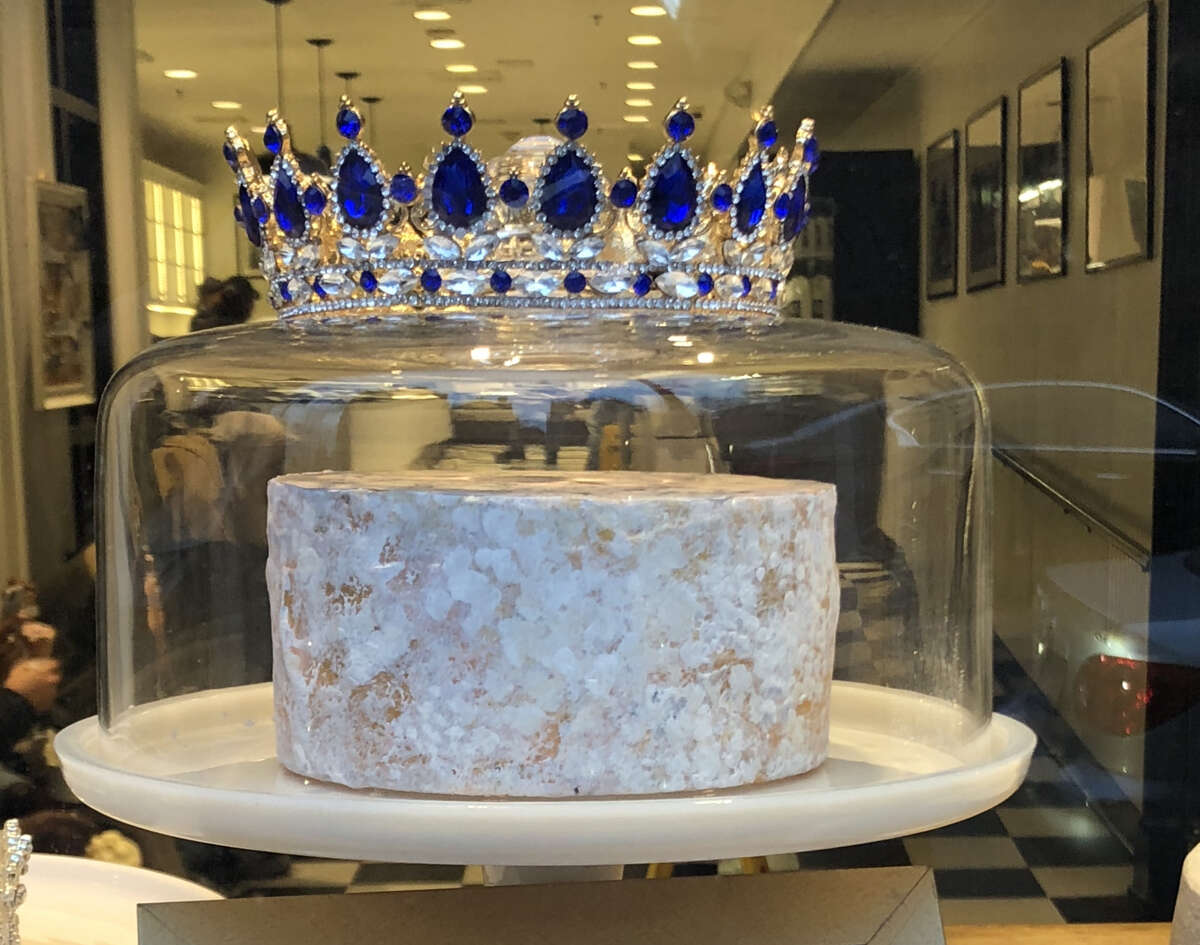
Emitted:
<point x="273" y="138"/>
<point x="752" y="201"/>
<point x="349" y="122"/>
<point x="797" y="215"/>
<point x="569" y="193"/>
<point x="781" y="207"/>
<point x="284" y="292"/>
<point x="247" y="217"/>
<point x="459" y="196"/>
<point x="704" y="283"/>
<point x="745" y="285"/>
<point x="368" y="281"/>
<point x="766" y="134"/>
<point x="359" y="192"/>
<point x="314" y="201"/>
<point x="230" y="154"/>
<point x="722" y="197"/>
<point x="672" y="200"/>
<point x="261" y="213"/>
<point x="812" y="152"/>
<point x="289" y="213"/>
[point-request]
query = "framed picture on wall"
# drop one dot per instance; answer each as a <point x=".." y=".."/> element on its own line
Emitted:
<point x="985" y="195"/>
<point x="63" y="354"/>
<point x="1120" y="143"/>
<point x="941" y="217"/>
<point x="1042" y="116"/>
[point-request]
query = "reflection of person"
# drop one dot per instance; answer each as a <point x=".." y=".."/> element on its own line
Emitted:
<point x="220" y="304"/>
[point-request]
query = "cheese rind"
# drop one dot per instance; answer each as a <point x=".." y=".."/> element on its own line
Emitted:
<point x="551" y="635"/>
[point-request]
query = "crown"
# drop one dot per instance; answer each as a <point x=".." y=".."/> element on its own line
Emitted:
<point x="537" y="227"/>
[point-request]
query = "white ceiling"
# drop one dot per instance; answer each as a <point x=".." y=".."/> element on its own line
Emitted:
<point x="530" y="54"/>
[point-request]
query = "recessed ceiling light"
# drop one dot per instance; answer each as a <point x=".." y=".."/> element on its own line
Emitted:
<point x="634" y="158"/>
<point x="638" y="102"/>
<point x="472" y="89"/>
<point x="227" y="106"/>
<point x="180" y="73"/>
<point x="258" y="129"/>
<point x="636" y="119"/>
<point x="430" y="15"/>
<point x="461" y="67"/>
<point x="639" y="86"/>
<point x="447" y="43"/>
<point x="643" y="39"/>
<point x="652" y="10"/>
<point x="642" y="64"/>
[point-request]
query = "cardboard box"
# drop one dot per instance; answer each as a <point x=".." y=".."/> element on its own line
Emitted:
<point x="896" y="906"/>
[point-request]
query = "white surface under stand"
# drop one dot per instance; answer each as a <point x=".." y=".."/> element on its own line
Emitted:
<point x="203" y="767"/>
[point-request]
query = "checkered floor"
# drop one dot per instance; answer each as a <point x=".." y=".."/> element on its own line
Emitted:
<point x="1043" y="856"/>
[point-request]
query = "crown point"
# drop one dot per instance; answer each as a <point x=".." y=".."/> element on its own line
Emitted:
<point x="349" y="121"/>
<point x="572" y="121"/>
<point x="680" y="124"/>
<point x="274" y="134"/>
<point x="457" y="119"/>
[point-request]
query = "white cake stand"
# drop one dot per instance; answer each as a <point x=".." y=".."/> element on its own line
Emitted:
<point x="203" y="767"/>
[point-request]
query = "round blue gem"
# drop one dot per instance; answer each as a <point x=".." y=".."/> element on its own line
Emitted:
<point x="623" y="193"/>
<point x="672" y="200"/>
<point x="289" y="213"/>
<point x="572" y="122"/>
<point x="514" y="192"/>
<point x="569" y="193"/>
<point x="404" y="188"/>
<point x="253" y="232"/>
<point x="459" y="196"/>
<point x="314" y="201"/>
<point x="680" y="125"/>
<point x="359" y="192"/>
<point x="574" y="282"/>
<point x="782" y="203"/>
<point x="261" y="213"/>
<point x="431" y="280"/>
<point x="349" y="122"/>
<point x="766" y="133"/>
<point x="704" y="283"/>
<point x="319" y="289"/>
<point x="368" y="281"/>
<point x="457" y="120"/>
<point x="752" y="201"/>
<point x="284" y="292"/>
<point x="501" y="281"/>
<point x="797" y="214"/>
<point x="230" y="155"/>
<point x="722" y="197"/>
<point x="745" y="285"/>
<point x="812" y="152"/>
<point x="641" y="285"/>
<point x="273" y="138"/>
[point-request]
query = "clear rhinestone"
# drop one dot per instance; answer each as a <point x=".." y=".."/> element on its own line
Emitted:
<point x="753" y="254"/>
<point x="395" y="281"/>
<point x="481" y="247"/>
<point x="335" y="284"/>
<point x="678" y="285"/>
<point x="442" y="248"/>
<point x="309" y="255"/>
<point x="463" y="281"/>
<point x="284" y="256"/>
<point x="782" y="259"/>
<point x="266" y="261"/>
<point x="729" y="286"/>
<point x="610" y="283"/>
<point x="687" y="251"/>
<point x="538" y="283"/>
<point x="587" y="248"/>
<point x="549" y="246"/>
<point x="298" y="289"/>
<point x="657" y="254"/>
<point x="351" y="250"/>
<point x="382" y="246"/>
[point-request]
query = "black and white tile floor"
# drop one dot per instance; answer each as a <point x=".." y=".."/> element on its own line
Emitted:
<point x="1043" y="856"/>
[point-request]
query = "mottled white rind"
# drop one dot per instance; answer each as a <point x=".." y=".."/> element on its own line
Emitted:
<point x="551" y="635"/>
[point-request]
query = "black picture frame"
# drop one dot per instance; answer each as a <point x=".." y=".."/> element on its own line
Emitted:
<point x="985" y="185"/>
<point x="1119" y="225"/>
<point x="1043" y="174"/>
<point x="941" y="217"/>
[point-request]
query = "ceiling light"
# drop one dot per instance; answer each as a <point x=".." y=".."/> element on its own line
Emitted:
<point x="643" y="40"/>
<point x="634" y="158"/>
<point x="638" y="102"/>
<point x="639" y="86"/>
<point x="180" y="73"/>
<point x="461" y="67"/>
<point x="636" y="119"/>
<point x="472" y="89"/>
<point x="642" y="64"/>
<point x="258" y="129"/>
<point x="430" y="15"/>
<point x="227" y="106"/>
<point x="705" y="357"/>
<point x="652" y="10"/>
<point x="447" y="43"/>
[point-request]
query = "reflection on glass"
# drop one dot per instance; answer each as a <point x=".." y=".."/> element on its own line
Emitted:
<point x="1041" y="173"/>
<point x="985" y="197"/>
<point x="1118" y="204"/>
